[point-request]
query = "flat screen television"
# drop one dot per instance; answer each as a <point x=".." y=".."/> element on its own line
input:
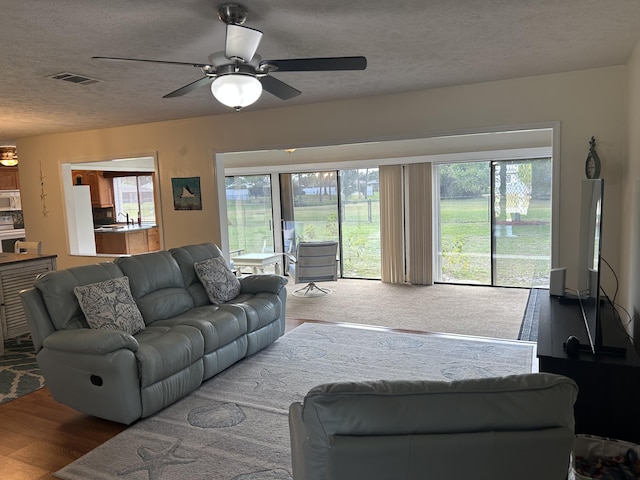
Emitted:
<point x="589" y="293"/>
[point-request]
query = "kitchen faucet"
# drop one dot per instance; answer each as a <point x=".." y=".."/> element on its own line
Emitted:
<point x="127" y="216"/>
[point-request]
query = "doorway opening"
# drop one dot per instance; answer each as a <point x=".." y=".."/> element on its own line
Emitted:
<point x="112" y="206"/>
<point x="291" y="171"/>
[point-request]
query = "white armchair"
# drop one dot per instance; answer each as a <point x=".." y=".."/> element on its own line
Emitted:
<point x="314" y="262"/>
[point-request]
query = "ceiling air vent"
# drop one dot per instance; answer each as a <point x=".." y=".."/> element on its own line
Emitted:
<point x="74" y="78"/>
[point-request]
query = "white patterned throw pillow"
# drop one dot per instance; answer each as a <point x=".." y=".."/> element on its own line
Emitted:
<point x="109" y="305"/>
<point x="219" y="282"/>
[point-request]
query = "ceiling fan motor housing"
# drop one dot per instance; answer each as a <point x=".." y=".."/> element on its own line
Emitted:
<point x="232" y="13"/>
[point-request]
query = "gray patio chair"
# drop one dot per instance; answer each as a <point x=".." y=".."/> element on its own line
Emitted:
<point x="314" y="262"/>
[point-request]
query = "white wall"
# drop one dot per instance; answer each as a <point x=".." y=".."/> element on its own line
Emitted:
<point x="586" y="103"/>
<point x="630" y="229"/>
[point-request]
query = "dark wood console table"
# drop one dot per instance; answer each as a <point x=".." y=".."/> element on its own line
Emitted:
<point x="608" y="402"/>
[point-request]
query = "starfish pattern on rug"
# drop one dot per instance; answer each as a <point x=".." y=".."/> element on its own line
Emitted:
<point x="304" y="352"/>
<point x="216" y="415"/>
<point x="155" y="462"/>
<point x="265" y="379"/>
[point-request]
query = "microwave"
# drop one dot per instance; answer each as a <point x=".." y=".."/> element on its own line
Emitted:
<point x="10" y="200"/>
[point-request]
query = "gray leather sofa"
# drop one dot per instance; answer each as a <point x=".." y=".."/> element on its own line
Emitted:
<point x="186" y="339"/>
<point x="517" y="427"/>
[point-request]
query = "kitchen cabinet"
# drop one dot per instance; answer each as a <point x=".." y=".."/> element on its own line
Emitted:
<point x="9" y="178"/>
<point x="17" y="272"/>
<point x="153" y="239"/>
<point x="101" y="188"/>
<point x="128" y="241"/>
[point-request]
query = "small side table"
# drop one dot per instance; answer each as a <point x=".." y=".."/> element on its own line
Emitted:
<point x="257" y="261"/>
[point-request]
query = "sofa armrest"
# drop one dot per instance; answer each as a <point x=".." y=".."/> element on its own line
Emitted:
<point x="262" y="283"/>
<point x="297" y="435"/>
<point x="91" y="341"/>
<point x="38" y="319"/>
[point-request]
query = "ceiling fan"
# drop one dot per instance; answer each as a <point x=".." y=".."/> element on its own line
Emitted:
<point x="237" y="76"/>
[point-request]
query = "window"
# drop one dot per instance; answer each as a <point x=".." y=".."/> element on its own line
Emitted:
<point x="133" y="195"/>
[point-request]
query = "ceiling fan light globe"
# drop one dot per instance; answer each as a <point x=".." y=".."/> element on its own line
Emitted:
<point x="236" y="90"/>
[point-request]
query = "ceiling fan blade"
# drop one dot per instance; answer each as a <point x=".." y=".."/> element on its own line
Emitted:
<point x="242" y="42"/>
<point x="200" y="65"/>
<point x="278" y="88"/>
<point x="190" y="87"/>
<point x="317" y="64"/>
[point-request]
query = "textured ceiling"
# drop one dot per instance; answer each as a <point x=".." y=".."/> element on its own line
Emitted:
<point x="410" y="45"/>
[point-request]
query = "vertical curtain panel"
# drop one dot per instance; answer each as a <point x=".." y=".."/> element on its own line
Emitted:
<point x="391" y="223"/>
<point x="419" y="230"/>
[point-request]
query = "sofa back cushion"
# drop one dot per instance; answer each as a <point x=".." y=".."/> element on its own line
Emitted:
<point x="186" y="257"/>
<point x="156" y="285"/>
<point x="424" y="429"/>
<point x="57" y="287"/>
<point x="517" y="402"/>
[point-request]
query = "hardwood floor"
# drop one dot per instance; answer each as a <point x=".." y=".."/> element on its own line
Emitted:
<point x="38" y="435"/>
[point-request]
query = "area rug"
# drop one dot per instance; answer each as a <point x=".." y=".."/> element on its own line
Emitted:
<point x="236" y="427"/>
<point x="19" y="372"/>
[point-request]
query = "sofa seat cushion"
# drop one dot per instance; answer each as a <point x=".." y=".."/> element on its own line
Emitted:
<point x="165" y="350"/>
<point x="261" y="309"/>
<point x="218" y="324"/>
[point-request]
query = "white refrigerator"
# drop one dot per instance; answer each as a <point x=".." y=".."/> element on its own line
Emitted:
<point x="82" y="240"/>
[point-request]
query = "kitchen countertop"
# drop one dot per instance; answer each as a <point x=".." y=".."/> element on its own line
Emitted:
<point x="8" y="258"/>
<point x="123" y="228"/>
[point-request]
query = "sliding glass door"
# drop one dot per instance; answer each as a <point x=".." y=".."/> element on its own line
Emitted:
<point x="335" y="205"/>
<point x="494" y="222"/>
<point x="360" y="223"/>
<point x="522" y="223"/>
<point x="315" y="206"/>
<point x="464" y="223"/>
<point x="249" y="214"/>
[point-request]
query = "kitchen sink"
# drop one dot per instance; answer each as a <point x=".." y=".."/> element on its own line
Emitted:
<point x="111" y="227"/>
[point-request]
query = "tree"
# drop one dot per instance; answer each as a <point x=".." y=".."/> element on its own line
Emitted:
<point x="465" y="180"/>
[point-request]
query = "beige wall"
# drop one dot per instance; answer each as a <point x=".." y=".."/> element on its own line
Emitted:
<point x="586" y="103"/>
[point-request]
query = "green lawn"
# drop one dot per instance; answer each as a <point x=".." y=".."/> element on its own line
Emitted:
<point x="522" y="249"/>
<point x="523" y="252"/>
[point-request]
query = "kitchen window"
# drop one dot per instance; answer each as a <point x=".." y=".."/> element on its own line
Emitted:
<point x="133" y="196"/>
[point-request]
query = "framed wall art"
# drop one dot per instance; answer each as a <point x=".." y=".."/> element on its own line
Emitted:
<point x="186" y="193"/>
